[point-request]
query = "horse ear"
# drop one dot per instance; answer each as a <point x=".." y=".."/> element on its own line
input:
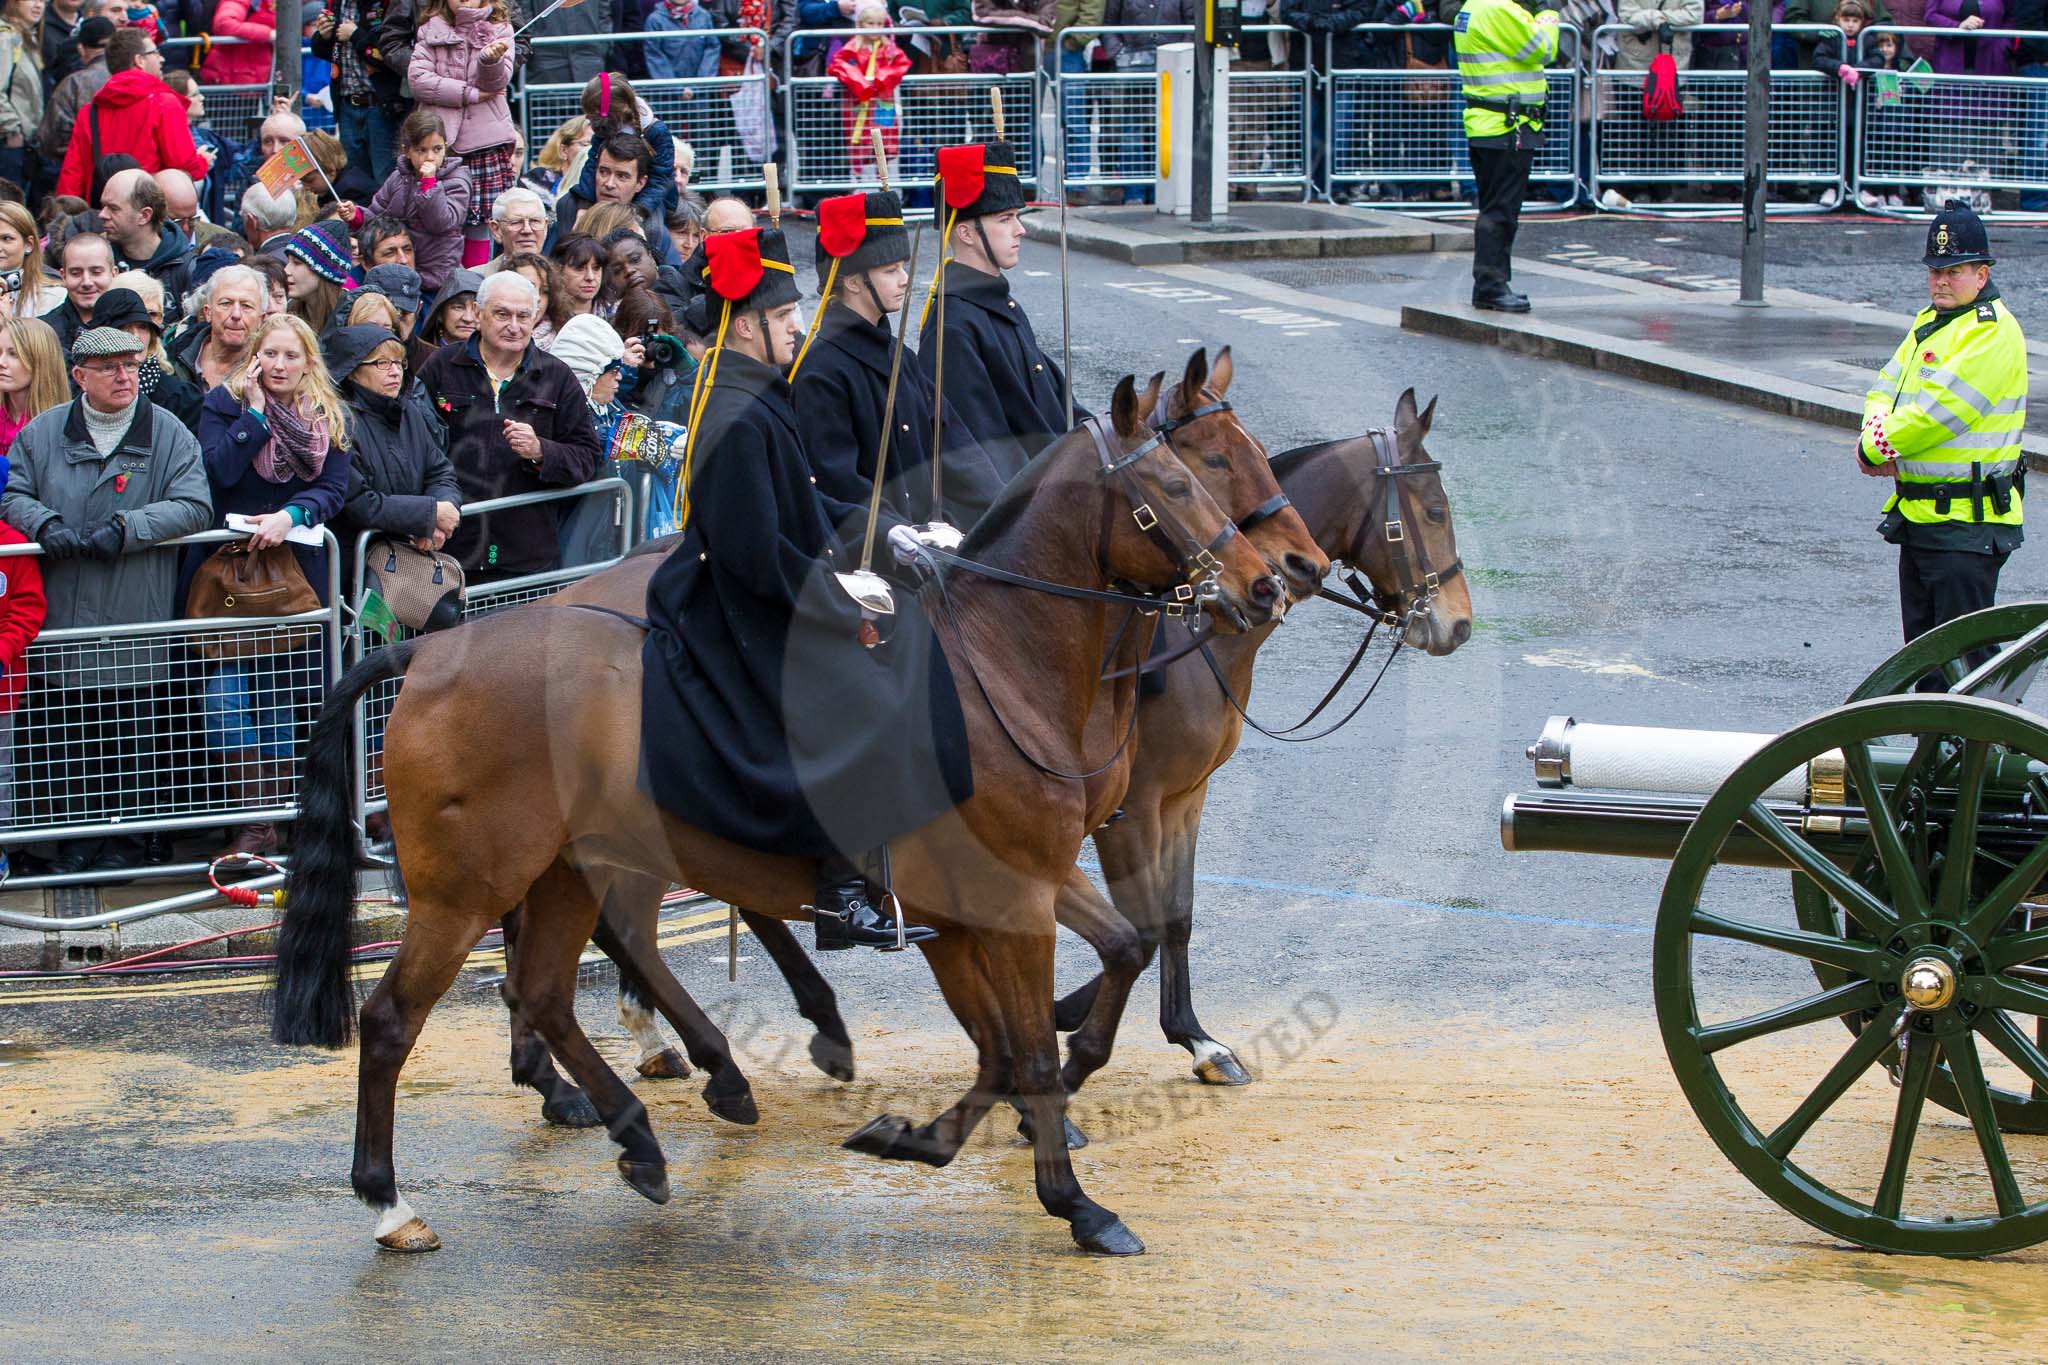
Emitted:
<point x="1123" y="406"/>
<point x="1220" y="373"/>
<point x="1404" y="412"/>
<point x="1428" y="415"/>
<point x="1148" y="403"/>
<point x="1191" y="382"/>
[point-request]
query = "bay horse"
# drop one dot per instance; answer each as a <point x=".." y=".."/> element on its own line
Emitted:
<point x="511" y="760"/>
<point x="1350" y="493"/>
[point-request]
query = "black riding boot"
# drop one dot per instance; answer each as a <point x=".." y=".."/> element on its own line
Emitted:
<point x="845" y="916"/>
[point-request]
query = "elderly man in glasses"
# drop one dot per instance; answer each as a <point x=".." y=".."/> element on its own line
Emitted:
<point x="99" y="482"/>
<point x="519" y="222"/>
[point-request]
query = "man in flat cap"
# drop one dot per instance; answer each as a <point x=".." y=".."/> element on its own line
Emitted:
<point x="99" y="482"/>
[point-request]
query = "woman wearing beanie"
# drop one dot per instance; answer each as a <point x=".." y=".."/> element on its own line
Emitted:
<point x="316" y="266"/>
<point x="275" y="438"/>
<point x="429" y="191"/>
<point x="460" y="69"/>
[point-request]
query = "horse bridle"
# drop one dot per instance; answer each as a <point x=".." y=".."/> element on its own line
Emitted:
<point x="1418" y="583"/>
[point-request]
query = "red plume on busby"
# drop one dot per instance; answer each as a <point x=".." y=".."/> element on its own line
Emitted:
<point x="733" y="263"/>
<point x="842" y="224"/>
<point x="961" y="173"/>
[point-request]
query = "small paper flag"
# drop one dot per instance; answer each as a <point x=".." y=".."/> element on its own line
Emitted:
<point x="291" y="164"/>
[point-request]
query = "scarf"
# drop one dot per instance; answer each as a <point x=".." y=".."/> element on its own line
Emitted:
<point x="389" y="411"/>
<point x="152" y="375"/>
<point x="679" y="10"/>
<point x="297" y="448"/>
<point x="463" y="16"/>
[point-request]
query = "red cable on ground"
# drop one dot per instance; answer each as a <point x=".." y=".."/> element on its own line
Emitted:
<point x="173" y="948"/>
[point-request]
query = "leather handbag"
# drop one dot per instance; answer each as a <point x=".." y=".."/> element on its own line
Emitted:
<point x="423" y="588"/>
<point x="238" y="581"/>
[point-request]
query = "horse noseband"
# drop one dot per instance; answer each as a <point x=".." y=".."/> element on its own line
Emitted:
<point x="1419" y="584"/>
<point x="1199" y="563"/>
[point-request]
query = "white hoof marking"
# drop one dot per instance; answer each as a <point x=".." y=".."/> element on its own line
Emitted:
<point x="1205" y="1051"/>
<point x="638" y="1020"/>
<point x="394" y="1218"/>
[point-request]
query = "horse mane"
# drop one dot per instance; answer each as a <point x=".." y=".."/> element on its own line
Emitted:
<point x="1287" y="459"/>
<point x="1009" y="505"/>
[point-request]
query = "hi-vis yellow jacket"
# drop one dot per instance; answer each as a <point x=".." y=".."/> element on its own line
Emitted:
<point x="1949" y="408"/>
<point x="1502" y="52"/>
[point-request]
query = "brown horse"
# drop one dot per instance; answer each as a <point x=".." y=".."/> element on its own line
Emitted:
<point x="511" y="758"/>
<point x="1348" y="492"/>
<point x="1213" y="441"/>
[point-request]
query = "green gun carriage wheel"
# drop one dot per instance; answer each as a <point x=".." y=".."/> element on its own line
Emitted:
<point x="1930" y="959"/>
<point x="1944" y="652"/>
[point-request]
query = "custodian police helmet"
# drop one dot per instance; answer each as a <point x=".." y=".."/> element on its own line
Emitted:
<point x="1956" y="237"/>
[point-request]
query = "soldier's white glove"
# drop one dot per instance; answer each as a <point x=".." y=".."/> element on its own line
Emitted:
<point x="939" y="535"/>
<point x="905" y="545"/>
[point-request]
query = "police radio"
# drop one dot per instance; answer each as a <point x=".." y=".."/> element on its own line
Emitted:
<point x="1222" y="23"/>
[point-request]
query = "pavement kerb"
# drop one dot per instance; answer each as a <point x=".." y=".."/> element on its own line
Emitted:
<point x="1653" y="363"/>
<point x="1174" y="241"/>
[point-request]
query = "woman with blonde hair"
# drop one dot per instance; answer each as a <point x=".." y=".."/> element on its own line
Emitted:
<point x="544" y="178"/>
<point x="134" y="302"/>
<point x="32" y="376"/>
<point x="35" y="293"/>
<point x="275" y="436"/>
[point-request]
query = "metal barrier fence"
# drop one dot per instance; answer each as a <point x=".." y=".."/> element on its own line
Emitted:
<point x="711" y="113"/>
<point x="234" y="112"/>
<point x="163" y="726"/>
<point x="1703" y="146"/>
<point x="1111" y="118"/>
<point x="931" y="111"/>
<point x="1403" y="127"/>
<point x="1938" y="132"/>
<point x="374" y="708"/>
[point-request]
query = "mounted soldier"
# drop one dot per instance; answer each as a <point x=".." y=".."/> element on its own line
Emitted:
<point x="1009" y="393"/>
<point x="840" y="380"/>
<point x="773" y="714"/>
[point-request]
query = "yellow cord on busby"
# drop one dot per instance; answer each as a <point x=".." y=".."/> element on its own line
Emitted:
<point x="707" y="375"/>
<point x="824" y="297"/>
<point x="939" y="272"/>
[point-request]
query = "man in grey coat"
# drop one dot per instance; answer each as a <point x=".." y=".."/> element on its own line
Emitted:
<point x="98" y="483"/>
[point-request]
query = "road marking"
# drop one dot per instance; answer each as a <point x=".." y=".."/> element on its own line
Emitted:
<point x="701" y="922"/>
<point x="1298" y="299"/>
<point x="1276" y="317"/>
<point x="1591" y="258"/>
<point x="1172" y="293"/>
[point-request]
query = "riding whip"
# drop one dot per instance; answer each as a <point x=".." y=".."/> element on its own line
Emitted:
<point x="867" y="545"/>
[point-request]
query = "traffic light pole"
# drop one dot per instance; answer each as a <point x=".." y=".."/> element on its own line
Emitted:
<point x="1756" y="135"/>
<point x="1204" y="164"/>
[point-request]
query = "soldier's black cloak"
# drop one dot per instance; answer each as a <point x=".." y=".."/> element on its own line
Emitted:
<point x="1010" y="394"/>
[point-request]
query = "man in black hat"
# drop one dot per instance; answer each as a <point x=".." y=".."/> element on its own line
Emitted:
<point x="776" y="713"/>
<point x="1943" y="422"/>
<point x="841" y="378"/>
<point x="1011" y="396"/>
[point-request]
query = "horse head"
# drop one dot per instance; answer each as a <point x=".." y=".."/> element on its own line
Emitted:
<point x="1420" y="572"/>
<point x="1234" y="466"/>
<point x="1175" y="531"/>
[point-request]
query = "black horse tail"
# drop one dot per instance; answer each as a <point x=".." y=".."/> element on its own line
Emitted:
<point x="314" y="1000"/>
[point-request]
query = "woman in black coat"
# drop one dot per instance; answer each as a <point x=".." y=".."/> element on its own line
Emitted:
<point x="399" y="479"/>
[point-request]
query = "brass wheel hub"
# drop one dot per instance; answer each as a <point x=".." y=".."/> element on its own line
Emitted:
<point x="1928" y="984"/>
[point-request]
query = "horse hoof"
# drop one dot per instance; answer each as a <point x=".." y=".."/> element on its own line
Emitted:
<point x="1114" y="1240"/>
<point x="735" y="1106"/>
<point x="832" y="1056"/>
<point x="410" y="1237"/>
<point x="878" y="1136"/>
<point x="1222" y="1069"/>
<point x="648" y="1177"/>
<point x="665" y="1065"/>
<point x="573" y="1110"/>
<point x="1076" y="1139"/>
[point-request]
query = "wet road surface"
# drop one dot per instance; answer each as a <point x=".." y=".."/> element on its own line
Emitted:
<point x="1463" y="1140"/>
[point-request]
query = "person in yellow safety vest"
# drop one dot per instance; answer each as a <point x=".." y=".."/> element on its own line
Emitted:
<point x="1943" y="421"/>
<point x="1503" y="47"/>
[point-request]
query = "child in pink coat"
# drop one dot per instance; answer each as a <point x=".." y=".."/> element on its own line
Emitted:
<point x="461" y="67"/>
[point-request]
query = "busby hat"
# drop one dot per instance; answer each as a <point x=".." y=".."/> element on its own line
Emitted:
<point x="745" y="271"/>
<point x="976" y="180"/>
<point x="860" y="232"/>
<point x="324" y="246"/>
<point x="1956" y="237"/>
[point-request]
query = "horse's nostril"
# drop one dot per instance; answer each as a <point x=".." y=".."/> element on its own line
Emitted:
<point x="1305" y="570"/>
<point x="1461" y="632"/>
<point x="1265" y="590"/>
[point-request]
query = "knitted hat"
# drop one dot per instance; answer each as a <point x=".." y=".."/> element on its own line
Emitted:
<point x="588" y="345"/>
<point x="399" y="283"/>
<point x="324" y="246"/>
<point x="861" y="231"/>
<point x="977" y="180"/>
<point x="95" y="342"/>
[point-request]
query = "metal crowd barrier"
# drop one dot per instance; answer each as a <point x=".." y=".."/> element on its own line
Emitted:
<point x="235" y="112"/>
<point x="123" y="731"/>
<point x="374" y="708"/>
<point x="1111" y="118"/>
<point x="931" y="111"/>
<point x="1403" y="128"/>
<point x="1943" y="132"/>
<point x="1703" y="145"/>
<point x="701" y="110"/>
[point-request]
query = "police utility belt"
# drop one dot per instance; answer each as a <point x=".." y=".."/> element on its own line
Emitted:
<point x="1519" y="116"/>
<point x="1998" y="489"/>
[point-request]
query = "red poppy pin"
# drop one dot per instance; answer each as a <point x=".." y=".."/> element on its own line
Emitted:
<point x="1927" y="356"/>
<point x="120" y="483"/>
<point x="444" y="405"/>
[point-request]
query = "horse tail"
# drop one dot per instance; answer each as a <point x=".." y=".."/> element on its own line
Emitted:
<point x="313" y="1003"/>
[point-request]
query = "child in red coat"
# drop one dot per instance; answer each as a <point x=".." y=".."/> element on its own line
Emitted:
<point x="21" y="620"/>
<point x="870" y="66"/>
